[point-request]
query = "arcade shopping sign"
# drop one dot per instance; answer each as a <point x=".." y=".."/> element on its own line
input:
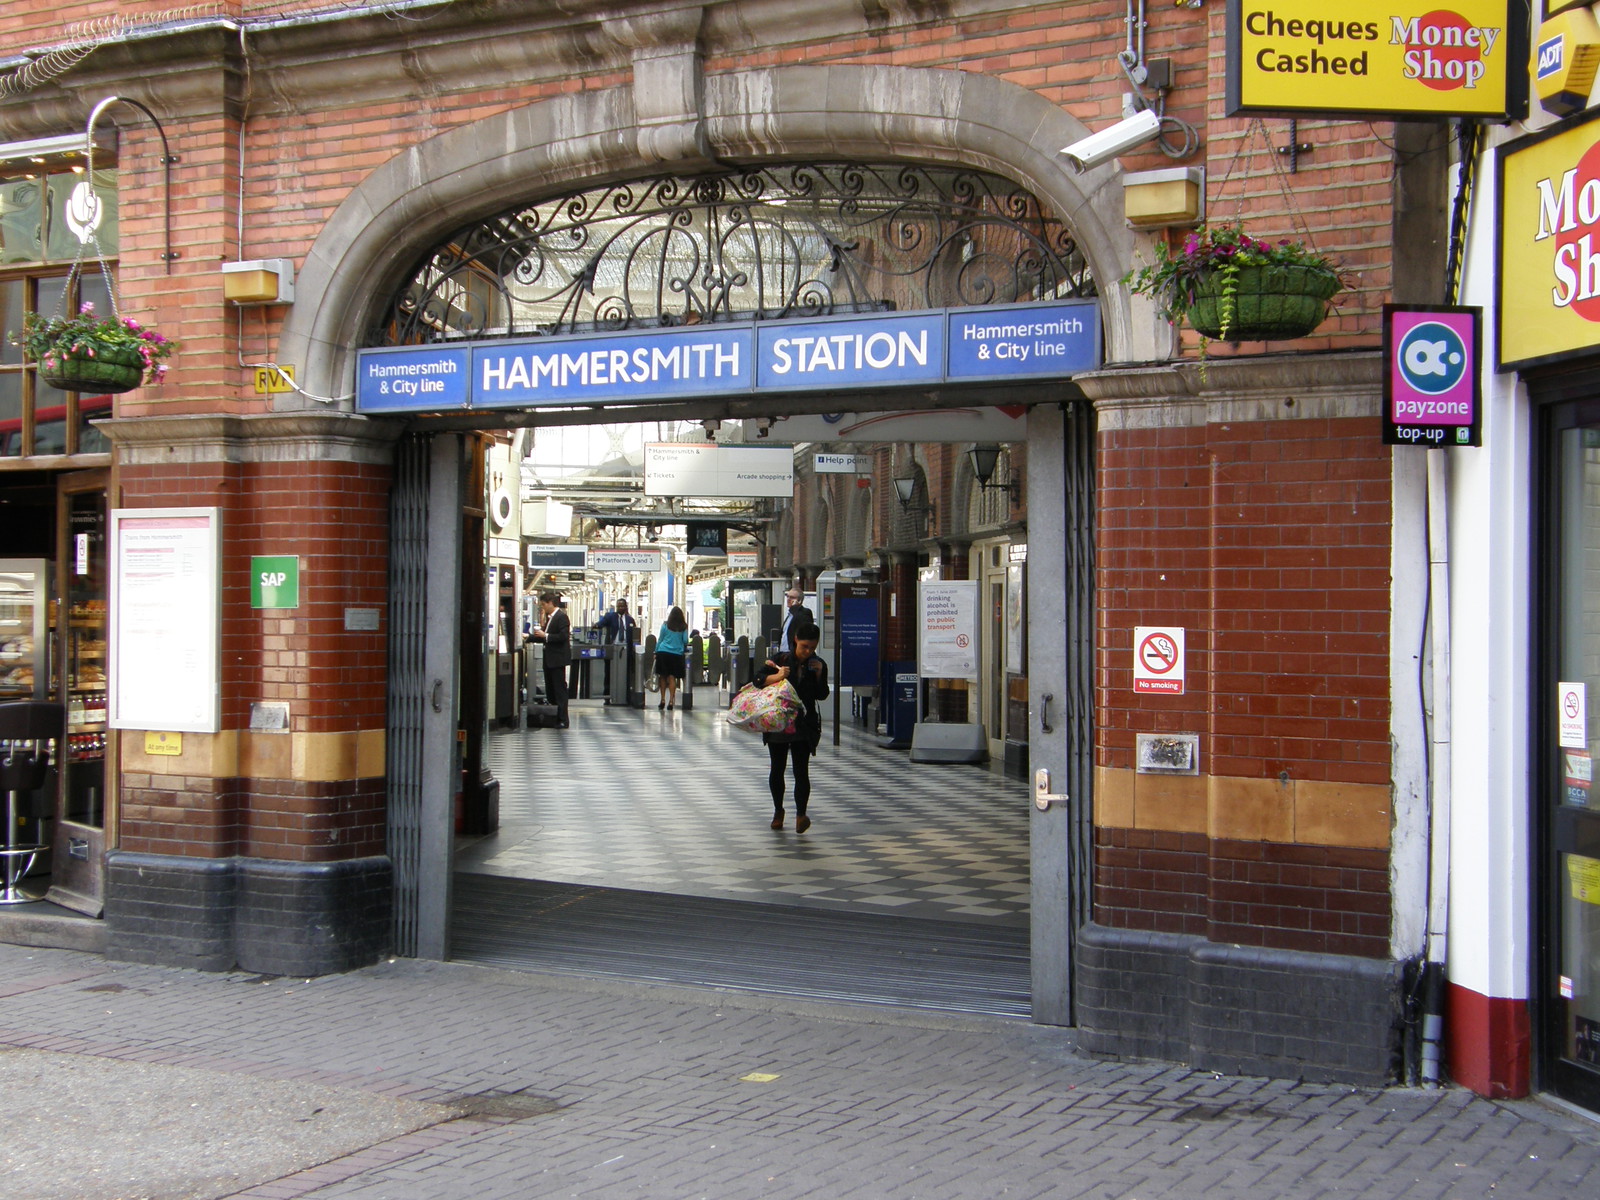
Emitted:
<point x="1548" y="247"/>
<point x="1002" y="344"/>
<point x="1372" y="58"/>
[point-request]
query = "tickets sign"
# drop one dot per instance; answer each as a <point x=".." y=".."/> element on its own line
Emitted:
<point x="1549" y="246"/>
<point x="1377" y="57"/>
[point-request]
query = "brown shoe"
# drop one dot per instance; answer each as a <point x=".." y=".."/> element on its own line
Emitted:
<point x="777" y="819"/>
<point x="802" y="823"/>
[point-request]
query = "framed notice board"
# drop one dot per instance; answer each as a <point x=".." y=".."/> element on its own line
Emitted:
<point x="165" y="619"/>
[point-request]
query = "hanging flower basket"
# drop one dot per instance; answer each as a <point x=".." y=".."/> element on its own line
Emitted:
<point x="1263" y="303"/>
<point x="1229" y="285"/>
<point x="89" y="353"/>
<point x="109" y="371"/>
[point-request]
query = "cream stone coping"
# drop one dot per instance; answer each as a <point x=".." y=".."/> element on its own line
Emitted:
<point x="1299" y="811"/>
<point x="234" y="753"/>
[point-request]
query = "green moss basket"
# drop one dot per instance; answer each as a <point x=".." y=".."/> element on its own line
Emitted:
<point x="1267" y="303"/>
<point x="108" y="372"/>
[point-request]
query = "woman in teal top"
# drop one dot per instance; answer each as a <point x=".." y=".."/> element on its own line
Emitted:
<point x="672" y="644"/>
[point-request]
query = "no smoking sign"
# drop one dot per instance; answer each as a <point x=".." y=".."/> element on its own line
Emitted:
<point x="1158" y="660"/>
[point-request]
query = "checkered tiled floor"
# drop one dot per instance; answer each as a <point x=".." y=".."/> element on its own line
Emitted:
<point x="678" y="803"/>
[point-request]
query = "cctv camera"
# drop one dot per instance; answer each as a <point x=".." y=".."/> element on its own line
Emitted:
<point x="1100" y="147"/>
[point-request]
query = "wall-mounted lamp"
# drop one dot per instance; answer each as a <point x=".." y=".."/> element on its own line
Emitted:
<point x="905" y="491"/>
<point x="984" y="459"/>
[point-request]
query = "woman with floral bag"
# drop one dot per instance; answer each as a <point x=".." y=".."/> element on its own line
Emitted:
<point x="808" y="675"/>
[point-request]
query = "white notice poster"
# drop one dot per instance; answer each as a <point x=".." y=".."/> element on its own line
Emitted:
<point x="947" y="642"/>
<point x="164" y="619"/>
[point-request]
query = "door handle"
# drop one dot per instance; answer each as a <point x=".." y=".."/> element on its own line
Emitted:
<point x="438" y="695"/>
<point x="1044" y="712"/>
<point x="1043" y="797"/>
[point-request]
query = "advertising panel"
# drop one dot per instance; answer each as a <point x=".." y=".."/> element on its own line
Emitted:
<point x="1549" y="246"/>
<point x="1378" y="57"/>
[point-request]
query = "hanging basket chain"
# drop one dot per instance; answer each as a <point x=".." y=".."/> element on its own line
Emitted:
<point x="1242" y="150"/>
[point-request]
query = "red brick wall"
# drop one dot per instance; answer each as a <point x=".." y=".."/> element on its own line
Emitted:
<point x="1268" y="542"/>
<point x="335" y="516"/>
<point x="1322" y="899"/>
<point x="298" y="167"/>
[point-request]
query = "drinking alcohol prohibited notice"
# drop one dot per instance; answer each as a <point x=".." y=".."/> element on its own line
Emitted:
<point x="1158" y="659"/>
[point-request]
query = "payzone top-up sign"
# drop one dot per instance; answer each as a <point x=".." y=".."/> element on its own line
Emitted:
<point x="1374" y="58"/>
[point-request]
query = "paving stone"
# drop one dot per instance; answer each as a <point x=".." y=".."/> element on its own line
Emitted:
<point x="867" y="1103"/>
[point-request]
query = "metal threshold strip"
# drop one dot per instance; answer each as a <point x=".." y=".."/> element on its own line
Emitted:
<point x="861" y="958"/>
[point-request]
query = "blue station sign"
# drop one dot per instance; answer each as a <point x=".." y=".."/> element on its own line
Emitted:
<point x="978" y="345"/>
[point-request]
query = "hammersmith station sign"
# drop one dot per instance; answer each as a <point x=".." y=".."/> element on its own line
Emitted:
<point x="1011" y="343"/>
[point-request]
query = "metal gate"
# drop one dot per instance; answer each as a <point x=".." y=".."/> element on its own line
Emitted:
<point x="424" y="571"/>
<point x="1078" y="612"/>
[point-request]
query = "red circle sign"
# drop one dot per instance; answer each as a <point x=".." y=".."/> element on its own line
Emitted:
<point x="1158" y="654"/>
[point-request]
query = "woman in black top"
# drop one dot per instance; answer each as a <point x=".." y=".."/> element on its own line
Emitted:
<point x="809" y="675"/>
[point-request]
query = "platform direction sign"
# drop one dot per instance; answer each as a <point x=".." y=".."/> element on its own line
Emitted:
<point x="1158" y="659"/>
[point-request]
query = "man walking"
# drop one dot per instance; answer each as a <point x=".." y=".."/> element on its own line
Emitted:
<point x="797" y="616"/>
<point x="555" y="631"/>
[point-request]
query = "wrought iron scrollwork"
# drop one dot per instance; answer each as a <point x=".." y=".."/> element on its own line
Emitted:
<point x="763" y="243"/>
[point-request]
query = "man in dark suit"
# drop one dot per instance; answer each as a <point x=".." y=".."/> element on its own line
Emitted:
<point x="797" y="616"/>
<point x="555" y="631"/>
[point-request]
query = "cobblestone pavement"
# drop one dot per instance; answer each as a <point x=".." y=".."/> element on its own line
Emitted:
<point x="560" y="1087"/>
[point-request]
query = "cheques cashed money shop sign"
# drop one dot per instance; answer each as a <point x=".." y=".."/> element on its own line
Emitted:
<point x="1377" y="57"/>
<point x="982" y="345"/>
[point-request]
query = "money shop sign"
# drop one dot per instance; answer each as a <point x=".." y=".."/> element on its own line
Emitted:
<point x="1549" y="246"/>
<point x="1377" y="57"/>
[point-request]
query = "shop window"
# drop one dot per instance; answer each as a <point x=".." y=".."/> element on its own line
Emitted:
<point x="47" y="224"/>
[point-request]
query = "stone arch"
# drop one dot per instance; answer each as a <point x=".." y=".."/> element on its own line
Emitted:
<point x="866" y="112"/>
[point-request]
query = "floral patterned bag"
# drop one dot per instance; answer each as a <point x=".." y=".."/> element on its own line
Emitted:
<point x="767" y="709"/>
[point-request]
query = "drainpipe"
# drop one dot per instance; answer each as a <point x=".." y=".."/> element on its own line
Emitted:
<point x="1433" y="977"/>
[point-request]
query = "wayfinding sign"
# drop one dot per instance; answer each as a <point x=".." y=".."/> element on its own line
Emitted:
<point x="875" y="350"/>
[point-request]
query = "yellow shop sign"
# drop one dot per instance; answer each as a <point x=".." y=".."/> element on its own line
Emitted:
<point x="1549" y="248"/>
<point x="1377" y="58"/>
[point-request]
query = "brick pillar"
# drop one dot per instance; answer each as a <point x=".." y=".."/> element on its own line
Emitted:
<point x="266" y="849"/>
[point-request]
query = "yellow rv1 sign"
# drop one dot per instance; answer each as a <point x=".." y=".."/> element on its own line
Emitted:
<point x="1377" y="57"/>
<point x="1549" y="252"/>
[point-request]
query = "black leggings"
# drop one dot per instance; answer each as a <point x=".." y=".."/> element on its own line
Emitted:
<point x="802" y="772"/>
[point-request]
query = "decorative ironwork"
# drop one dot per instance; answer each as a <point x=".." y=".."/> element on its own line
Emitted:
<point x="762" y="243"/>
